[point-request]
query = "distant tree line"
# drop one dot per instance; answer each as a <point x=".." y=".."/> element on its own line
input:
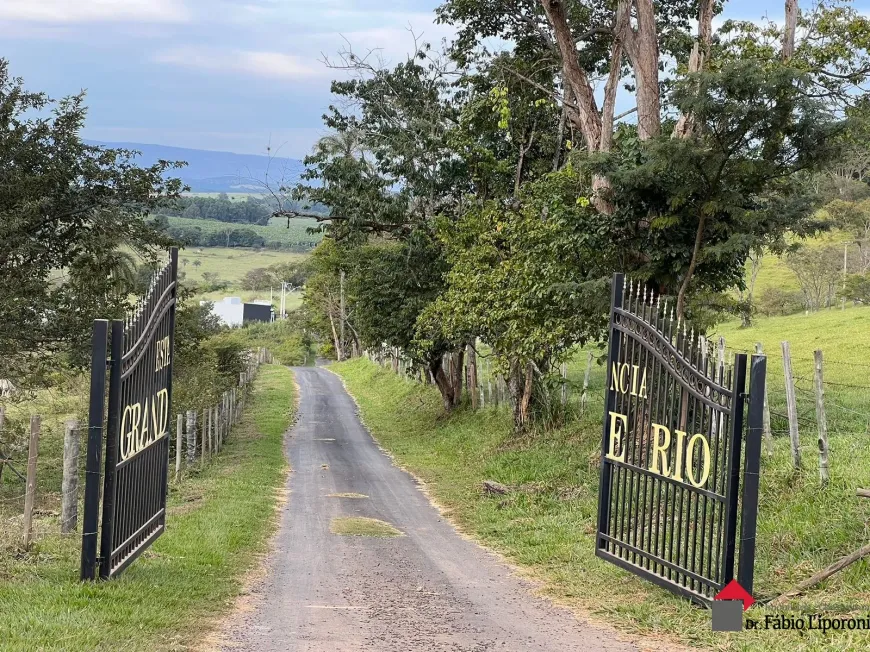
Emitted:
<point x="221" y="209"/>
<point x="231" y="236"/>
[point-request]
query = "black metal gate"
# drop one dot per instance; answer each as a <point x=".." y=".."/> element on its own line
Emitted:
<point x="671" y="448"/>
<point x="137" y="429"/>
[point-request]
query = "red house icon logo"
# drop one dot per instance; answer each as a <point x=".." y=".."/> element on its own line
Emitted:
<point x="733" y="591"/>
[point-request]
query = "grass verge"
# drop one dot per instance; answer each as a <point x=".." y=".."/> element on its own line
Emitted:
<point x="548" y="527"/>
<point x="219" y="521"/>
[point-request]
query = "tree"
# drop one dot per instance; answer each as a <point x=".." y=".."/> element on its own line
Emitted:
<point x="529" y="278"/>
<point x="856" y="288"/>
<point x="732" y="187"/>
<point x="66" y="211"/>
<point x="585" y="41"/>
<point x="404" y="117"/>
<point x="322" y="295"/>
<point x="390" y="285"/>
<point x="819" y="272"/>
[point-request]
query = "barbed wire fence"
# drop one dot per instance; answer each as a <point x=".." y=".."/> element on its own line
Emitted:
<point x="43" y="441"/>
<point x="831" y="395"/>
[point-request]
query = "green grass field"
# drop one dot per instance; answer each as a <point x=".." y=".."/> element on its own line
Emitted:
<point x="229" y="264"/>
<point x="774" y="272"/>
<point x="548" y="530"/>
<point x="219" y="518"/>
<point x="277" y="233"/>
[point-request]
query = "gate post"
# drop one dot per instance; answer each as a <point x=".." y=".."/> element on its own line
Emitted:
<point x="609" y="404"/>
<point x="99" y="340"/>
<point x="113" y="429"/>
<point x="732" y="490"/>
<point x="751" y="469"/>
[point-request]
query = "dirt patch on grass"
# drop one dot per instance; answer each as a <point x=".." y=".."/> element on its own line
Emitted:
<point x="358" y="526"/>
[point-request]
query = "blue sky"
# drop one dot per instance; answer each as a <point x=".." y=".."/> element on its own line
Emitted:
<point x="235" y="75"/>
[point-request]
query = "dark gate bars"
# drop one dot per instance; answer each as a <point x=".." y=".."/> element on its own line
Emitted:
<point x="135" y="481"/>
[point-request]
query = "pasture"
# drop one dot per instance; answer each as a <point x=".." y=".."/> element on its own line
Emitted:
<point x="230" y="264"/>
<point x="277" y="233"/>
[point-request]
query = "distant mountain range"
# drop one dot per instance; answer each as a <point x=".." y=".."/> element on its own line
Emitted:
<point x="208" y="171"/>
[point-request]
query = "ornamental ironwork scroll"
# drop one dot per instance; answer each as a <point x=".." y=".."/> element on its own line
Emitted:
<point x="137" y="429"/>
<point x="673" y="436"/>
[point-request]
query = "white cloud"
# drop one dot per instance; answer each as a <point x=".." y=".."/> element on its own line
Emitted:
<point x="89" y="11"/>
<point x="272" y="65"/>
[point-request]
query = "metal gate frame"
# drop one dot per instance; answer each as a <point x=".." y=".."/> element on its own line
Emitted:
<point x="638" y="534"/>
<point x="141" y="367"/>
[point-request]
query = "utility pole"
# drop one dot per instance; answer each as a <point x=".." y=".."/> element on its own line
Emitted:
<point x="343" y="315"/>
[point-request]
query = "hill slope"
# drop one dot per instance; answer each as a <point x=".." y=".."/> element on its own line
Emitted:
<point x="209" y="171"/>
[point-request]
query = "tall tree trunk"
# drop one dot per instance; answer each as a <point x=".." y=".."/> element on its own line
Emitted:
<point x="560" y="132"/>
<point x="343" y="313"/>
<point x="338" y="352"/>
<point x="753" y="275"/>
<point x="442" y="382"/>
<point x="700" y="54"/>
<point x="788" y="39"/>
<point x="516" y="388"/>
<point x="696" y="252"/>
<point x="527" y="394"/>
<point x="459" y="357"/>
<point x="587" y="111"/>
<point x="646" y="71"/>
<point x="586" y="115"/>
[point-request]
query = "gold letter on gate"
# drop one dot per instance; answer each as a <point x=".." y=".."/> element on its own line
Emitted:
<point x="616" y="437"/>
<point x="705" y="460"/>
<point x="660" y="450"/>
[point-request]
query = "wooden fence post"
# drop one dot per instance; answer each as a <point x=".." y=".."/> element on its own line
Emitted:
<point x="2" y="455"/>
<point x="69" y="502"/>
<point x="191" y="437"/>
<point x="791" y="405"/>
<point x="564" y="373"/>
<point x="30" y="495"/>
<point x="584" y="397"/>
<point x="822" y="421"/>
<point x="767" y="434"/>
<point x="719" y="418"/>
<point x="179" y="431"/>
<point x="471" y="358"/>
<point x="204" y="445"/>
<point x="225" y="414"/>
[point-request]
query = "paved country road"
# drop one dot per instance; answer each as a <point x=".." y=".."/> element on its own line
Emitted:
<point x="428" y="590"/>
